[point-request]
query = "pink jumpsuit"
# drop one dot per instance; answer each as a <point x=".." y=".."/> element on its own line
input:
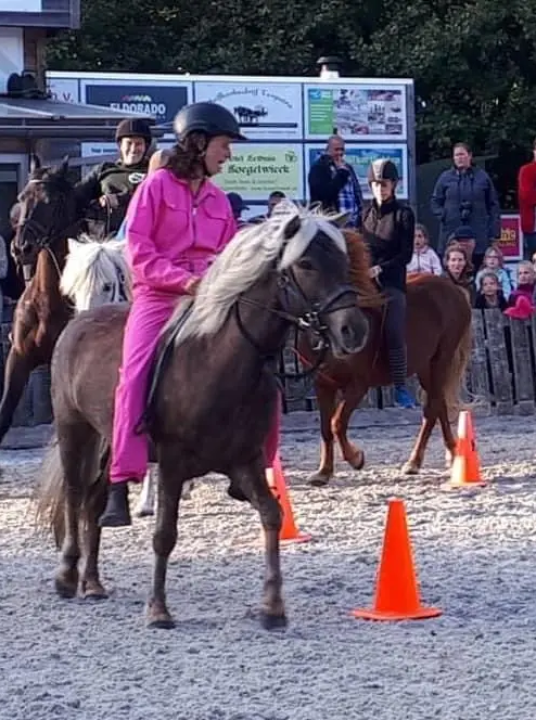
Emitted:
<point x="172" y="238"/>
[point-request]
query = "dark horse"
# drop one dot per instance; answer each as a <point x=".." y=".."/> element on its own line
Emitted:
<point x="215" y="398"/>
<point x="439" y="346"/>
<point x="41" y="248"/>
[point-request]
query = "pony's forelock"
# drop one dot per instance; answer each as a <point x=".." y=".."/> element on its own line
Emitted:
<point x="90" y="265"/>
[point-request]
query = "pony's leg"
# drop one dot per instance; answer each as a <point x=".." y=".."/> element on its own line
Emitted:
<point x="429" y="419"/>
<point x="78" y="444"/>
<point x="90" y="584"/>
<point x="352" y="396"/>
<point x="147" y="501"/>
<point x="16" y="374"/>
<point x="164" y="539"/>
<point x="448" y="435"/>
<point x="252" y="479"/>
<point x="325" y="395"/>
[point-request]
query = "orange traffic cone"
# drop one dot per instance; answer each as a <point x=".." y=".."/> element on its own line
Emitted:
<point x="276" y="480"/>
<point x="397" y="595"/>
<point x="466" y="465"/>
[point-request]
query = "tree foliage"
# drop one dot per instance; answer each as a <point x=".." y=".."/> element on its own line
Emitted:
<point x="473" y="61"/>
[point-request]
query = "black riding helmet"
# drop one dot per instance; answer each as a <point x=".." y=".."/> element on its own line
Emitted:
<point x="382" y="169"/>
<point x="133" y="127"/>
<point x="206" y="117"/>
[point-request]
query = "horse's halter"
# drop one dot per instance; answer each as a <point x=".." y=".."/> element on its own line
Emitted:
<point x="309" y="316"/>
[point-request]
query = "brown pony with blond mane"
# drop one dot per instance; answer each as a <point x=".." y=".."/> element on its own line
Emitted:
<point x="439" y="344"/>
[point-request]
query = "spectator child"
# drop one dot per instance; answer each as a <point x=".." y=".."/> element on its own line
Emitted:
<point x="494" y="261"/>
<point x="424" y="258"/>
<point x="526" y="284"/>
<point x="490" y="294"/>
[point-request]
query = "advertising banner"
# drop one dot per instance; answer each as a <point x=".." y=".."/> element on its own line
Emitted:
<point x="511" y="242"/>
<point x="265" y="111"/>
<point x="355" y="112"/>
<point x="160" y="101"/>
<point x="64" y="90"/>
<point x="360" y="157"/>
<point x="32" y="6"/>
<point x="256" y="171"/>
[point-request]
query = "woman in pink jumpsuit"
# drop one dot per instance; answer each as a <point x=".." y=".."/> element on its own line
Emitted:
<point x="178" y="220"/>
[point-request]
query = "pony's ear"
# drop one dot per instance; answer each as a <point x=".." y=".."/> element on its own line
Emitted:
<point x="340" y="220"/>
<point x="64" y="167"/>
<point x="292" y="227"/>
<point x="35" y="163"/>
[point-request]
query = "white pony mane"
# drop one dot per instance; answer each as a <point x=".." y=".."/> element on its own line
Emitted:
<point x="90" y="265"/>
<point x="246" y="258"/>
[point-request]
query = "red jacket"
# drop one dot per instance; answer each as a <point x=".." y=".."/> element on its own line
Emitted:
<point x="526" y="193"/>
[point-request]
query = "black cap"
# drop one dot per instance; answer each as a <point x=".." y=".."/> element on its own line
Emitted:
<point x="209" y="118"/>
<point x="382" y="169"/>
<point x="133" y="127"/>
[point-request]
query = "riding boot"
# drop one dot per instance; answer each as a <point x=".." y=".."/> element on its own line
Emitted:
<point x="117" y="510"/>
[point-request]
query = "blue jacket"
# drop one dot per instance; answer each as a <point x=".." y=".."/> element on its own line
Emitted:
<point x="474" y="188"/>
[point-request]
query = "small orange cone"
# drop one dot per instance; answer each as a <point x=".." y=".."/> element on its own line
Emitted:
<point x="276" y="480"/>
<point x="397" y="594"/>
<point x="465" y="470"/>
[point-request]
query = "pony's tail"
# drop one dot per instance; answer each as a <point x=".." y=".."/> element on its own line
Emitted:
<point x="50" y="496"/>
<point x="51" y="492"/>
<point x="455" y="379"/>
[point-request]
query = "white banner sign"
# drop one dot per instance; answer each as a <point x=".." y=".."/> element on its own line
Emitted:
<point x="265" y="111"/>
<point x="12" y="6"/>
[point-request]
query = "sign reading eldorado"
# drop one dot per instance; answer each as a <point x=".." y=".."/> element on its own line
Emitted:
<point x="160" y="101"/>
<point x="265" y="111"/>
<point x="256" y="171"/>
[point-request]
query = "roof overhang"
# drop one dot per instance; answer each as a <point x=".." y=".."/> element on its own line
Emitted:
<point x="50" y="119"/>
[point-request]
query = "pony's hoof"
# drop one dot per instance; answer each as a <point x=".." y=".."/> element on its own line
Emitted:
<point x="357" y="461"/>
<point x="273" y="622"/>
<point x="159" y="618"/>
<point x="66" y="586"/>
<point x="93" y="590"/>
<point x="411" y="468"/>
<point x="320" y="479"/>
<point x="144" y="512"/>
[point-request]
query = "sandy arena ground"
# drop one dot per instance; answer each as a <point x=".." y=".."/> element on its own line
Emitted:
<point x="474" y="551"/>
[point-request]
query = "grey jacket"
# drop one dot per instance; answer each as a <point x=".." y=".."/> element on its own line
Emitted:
<point x="467" y="197"/>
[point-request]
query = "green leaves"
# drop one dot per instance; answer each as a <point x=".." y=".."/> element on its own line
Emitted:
<point x="474" y="62"/>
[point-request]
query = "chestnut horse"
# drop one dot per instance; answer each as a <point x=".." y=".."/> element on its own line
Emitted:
<point x="216" y="394"/>
<point x="42" y="311"/>
<point x="439" y="347"/>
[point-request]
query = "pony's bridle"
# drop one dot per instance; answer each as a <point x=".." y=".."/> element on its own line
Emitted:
<point x="311" y="319"/>
<point x="43" y="239"/>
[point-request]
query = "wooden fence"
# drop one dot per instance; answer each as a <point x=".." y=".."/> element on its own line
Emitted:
<point x="501" y="374"/>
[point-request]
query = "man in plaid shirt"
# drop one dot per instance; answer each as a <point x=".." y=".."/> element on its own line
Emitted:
<point x="334" y="184"/>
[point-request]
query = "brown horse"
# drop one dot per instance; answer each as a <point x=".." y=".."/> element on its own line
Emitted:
<point x="439" y="347"/>
<point x="41" y="312"/>
<point x="215" y="398"/>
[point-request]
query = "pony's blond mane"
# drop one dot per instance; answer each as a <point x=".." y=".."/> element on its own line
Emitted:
<point x="90" y="265"/>
<point x="246" y="258"/>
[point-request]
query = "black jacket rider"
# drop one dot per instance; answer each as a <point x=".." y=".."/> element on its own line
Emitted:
<point x="117" y="179"/>
<point x="108" y="179"/>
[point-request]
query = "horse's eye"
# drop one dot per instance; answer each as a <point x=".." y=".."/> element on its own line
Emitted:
<point x="305" y="264"/>
<point x="107" y="287"/>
